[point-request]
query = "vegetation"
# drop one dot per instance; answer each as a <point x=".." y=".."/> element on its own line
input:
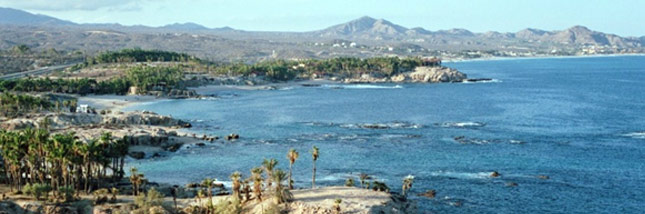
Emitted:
<point x="14" y="105"/>
<point x="292" y="156"/>
<point x="280" y="194"/>
<point x="256" y="176"/>
<point x="145" y="78"/>
<point x="236" y="177"/>
<point x="135" y="55"/>
<point x="349" y="182"/>
<point x="282" y="70"/>
<point x="152" y="200"/>
<point x="314" y="156"/>
<point x="268" y="165"/>
<point x="36" y="159"/>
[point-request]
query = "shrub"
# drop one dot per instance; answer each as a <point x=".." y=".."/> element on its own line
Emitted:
<point x="37" y="190"/>
<point x="152" y="199"/>
<point x="67" y="193"/>
<point x="349" y="182"/>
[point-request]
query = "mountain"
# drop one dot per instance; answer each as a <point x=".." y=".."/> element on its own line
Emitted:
<point x="20" y="17"/>
<point x="364" y="27"/>
<point x="374" y="37"/>
<point x="184" y="26"/>
<point x="578" y="35"/>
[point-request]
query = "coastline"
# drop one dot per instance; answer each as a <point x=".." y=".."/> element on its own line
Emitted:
<point x="541" y="57"/>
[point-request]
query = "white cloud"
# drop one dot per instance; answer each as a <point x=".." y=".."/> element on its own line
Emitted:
<point x="67" y="5"/>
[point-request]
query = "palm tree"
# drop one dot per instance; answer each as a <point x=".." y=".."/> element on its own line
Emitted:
<point x="292" y="156"/>
<point x="208" y="183"/>
<point x="407" y="184"/>
<point x="257" y="182"/>
<point x="237" y="185"/>
<point x="269" y="165"/>
<point x="137" y="179"/>
<point x="314" y="157"/>
<point x="281" y="194"/>
<point x="363" y="177"/>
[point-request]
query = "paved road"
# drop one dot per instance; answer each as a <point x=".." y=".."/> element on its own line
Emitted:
<point x="39" y="71"/>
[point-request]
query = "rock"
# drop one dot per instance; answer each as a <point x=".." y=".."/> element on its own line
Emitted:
<point x="511" y="184"/>
<point x="200" y="144"/>
<point x="173" y="147"/>
<point x="137" y="155"/>
<point x="495" y="174"/>
<point x="478" y="80"/>
<point x="232" y="136"/>
<point x="436" y="74"/>
<point x="543" y="177"/>
<point x="430" y="193"/>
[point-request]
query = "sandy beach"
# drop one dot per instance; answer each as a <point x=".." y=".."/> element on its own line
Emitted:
<point x="114" y="102"/>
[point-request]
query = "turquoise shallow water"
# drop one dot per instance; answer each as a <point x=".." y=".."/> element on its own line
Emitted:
<point x="581" y="121"/>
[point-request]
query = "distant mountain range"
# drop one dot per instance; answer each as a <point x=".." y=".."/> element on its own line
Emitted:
<point x="369" y="32"/>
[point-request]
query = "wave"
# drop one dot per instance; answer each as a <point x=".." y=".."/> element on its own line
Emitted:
<point x="286" y="88"/>
<point x="462" y="175"/>
<point x="386" y="125"/>
<point x="477" y="141"/>
<point x="461" y="124"/>
<point x="390" y="125"/>
<point x="472" y="81"/>
<point x="636" y="135"/>
<point x="362" y="86"/>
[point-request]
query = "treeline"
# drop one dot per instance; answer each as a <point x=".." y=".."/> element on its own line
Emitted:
<point x="13" y="105"/>
<point x="145" y="78"/>
<point x="61" y="163"/>
<point x="136" y="55"/>
<point x="339" y="67"/>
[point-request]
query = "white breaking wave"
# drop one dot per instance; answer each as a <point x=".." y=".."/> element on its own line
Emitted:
<point x="463" y="175"/>
<point x="637" y="135"/>
<point x="362" y="86"/>
<point x="461" y="124"/>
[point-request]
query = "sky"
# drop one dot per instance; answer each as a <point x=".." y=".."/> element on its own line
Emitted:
<point x="622" y="17"/>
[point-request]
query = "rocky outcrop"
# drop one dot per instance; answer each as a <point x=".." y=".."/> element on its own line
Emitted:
<point x="144" y="118"/>
<point x="436" y="74"/>
<point x="422" y="74"/>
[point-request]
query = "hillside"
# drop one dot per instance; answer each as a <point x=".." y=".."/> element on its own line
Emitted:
<point x="363" y="37"/>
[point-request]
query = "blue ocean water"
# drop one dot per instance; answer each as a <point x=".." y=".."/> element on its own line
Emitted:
<point x="579" y="121"/>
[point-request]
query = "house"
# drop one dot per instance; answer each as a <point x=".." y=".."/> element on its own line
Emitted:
<point x="83" y="108"/>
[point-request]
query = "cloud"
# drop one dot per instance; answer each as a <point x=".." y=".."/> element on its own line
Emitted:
<point x="68" y="5"/>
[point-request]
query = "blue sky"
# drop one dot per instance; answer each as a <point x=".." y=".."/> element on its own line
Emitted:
<point x="623" y="17"/>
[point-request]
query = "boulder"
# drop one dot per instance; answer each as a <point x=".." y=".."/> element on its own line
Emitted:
<point x="494" y="174"/>
<point x="436" y="74"/>
<point x="430" y="193"/>
<point x="137" y="155"/>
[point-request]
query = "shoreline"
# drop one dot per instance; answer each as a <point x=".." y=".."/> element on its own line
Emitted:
<point x="541" y="57"/>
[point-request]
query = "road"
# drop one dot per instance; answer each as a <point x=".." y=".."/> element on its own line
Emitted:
<point x="39" y="71"/>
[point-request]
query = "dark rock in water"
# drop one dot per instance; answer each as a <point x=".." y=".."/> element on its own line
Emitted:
<point x="478" y="80"/>
<point x="543" y="177"/>
<point x="173" y="147"/>
<point x="310" y="85"/>
<point x="495" y="174"/>
<point x="511" y="184"/>
<point x="374" y="126"/>
<point x="192" y="185"/>
<point x="186" y="125"/>
<point x="200" y="144"/>
<point x="156" y="155"/>
<point x="137" y="155"/>
<point x="430" y="193"/>
<point x="232" y="136"/>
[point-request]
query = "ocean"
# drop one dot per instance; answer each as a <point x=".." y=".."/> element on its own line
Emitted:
<point x="579" y="121"/>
